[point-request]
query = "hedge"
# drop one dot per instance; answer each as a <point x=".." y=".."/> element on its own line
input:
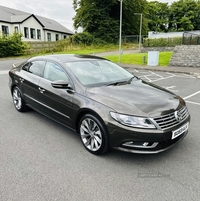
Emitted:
<point x="12" y="45"/>
<point x="162" y="42"/>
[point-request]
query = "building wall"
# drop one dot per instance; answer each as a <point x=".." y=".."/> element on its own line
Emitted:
<point x="53" y="35"/>
<point x="32" y="23"/>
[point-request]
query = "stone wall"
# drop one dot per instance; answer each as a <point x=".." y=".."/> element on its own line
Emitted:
<point x="186" y="56"/>
<point x="160" y="49"/>
<point x="40" y="47"/>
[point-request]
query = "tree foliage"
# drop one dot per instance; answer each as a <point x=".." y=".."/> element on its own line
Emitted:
<point x="158" y="16"/>
<point x="182" y="15"/>
<point x="101" y="17"/>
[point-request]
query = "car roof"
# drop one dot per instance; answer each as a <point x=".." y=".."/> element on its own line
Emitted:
<point x="68" y="57"/>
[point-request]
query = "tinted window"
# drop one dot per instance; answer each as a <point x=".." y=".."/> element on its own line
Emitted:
<point x="35" y="67"/>
<point x="26" y="66"/>
<point x="54" y="72"/>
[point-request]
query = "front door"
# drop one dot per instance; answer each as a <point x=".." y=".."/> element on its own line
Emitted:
<point x="56" y="103"/>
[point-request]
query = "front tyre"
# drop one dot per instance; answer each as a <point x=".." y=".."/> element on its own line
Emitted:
<point x="93" y="135"/>
<point x="18" y="100"/>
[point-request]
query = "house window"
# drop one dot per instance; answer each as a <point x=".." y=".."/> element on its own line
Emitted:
<point x="5" y="30"/>
<point x="16" y="29"/>
<point x="49" y="36"/>
<point x="26" y="34"/>
<point x="57" y="37"/>
<point x="65" y="37"/>
<point x="32" y="33"/>
<point x="38" y="34"/>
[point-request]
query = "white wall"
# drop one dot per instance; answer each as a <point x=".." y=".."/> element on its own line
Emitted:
<point x="32" y="23"/>
<point x="153" y="34"/>
<point x="53" y="35"/>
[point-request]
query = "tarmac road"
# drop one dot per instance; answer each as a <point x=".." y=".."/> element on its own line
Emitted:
<point x="42" y="160"/>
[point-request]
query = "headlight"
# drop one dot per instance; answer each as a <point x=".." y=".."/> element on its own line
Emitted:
<point x="138" y="122"/>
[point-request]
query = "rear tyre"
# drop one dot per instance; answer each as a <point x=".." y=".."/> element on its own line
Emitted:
<point x="18" y="100"/>
<point x="93" y="135"/>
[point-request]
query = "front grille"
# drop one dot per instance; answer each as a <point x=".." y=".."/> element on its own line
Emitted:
<point x="169" y="120"/>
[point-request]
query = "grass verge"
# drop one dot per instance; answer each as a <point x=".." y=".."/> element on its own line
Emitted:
<point x="141" y="58"/>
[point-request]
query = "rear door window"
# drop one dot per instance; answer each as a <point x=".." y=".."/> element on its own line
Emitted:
<point x="34" y="67"/>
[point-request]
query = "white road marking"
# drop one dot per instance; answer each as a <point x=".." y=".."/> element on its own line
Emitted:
<point x="163" y="78"/>
<point x="189" y="76"/>
<point x="3" y="72"/>
<point x="192" y="102"/>
<point x="148" y="80"/>
<point x="145" y="75"/>
<point x="191" y="95"/>
<point x="156" y="74"/>
<point x="170" y="87"/>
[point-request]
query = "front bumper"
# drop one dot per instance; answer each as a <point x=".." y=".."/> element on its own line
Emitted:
<point x="144" y="141"/>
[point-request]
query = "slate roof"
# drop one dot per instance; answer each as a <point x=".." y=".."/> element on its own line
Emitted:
<point x="11" y="15"/>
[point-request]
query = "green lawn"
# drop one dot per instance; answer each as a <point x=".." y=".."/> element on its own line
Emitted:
<point x="140" y="58"/>
<point x="135" y="59"/>
<point x="95" y="49"/>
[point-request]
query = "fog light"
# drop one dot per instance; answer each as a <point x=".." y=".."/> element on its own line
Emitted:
<point x="145" y="144"/>
<point x="142" y="145"/>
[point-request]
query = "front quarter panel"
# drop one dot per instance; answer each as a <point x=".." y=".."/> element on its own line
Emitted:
<point x="84" y="105"/>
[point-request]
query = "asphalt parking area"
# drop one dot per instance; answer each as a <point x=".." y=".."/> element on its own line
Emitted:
<point x="185" y="85"/>
<point x="42" y="160"/>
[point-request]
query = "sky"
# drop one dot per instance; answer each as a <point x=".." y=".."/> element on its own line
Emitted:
<point x="60" y="10"/>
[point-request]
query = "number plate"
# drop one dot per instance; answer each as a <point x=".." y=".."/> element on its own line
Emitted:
<point x="180" y="131"/>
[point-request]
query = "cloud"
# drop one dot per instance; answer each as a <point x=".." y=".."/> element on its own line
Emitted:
<point x="61" y="10"/>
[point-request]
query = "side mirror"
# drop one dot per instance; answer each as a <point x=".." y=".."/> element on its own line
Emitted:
<point x="60" y="84"/>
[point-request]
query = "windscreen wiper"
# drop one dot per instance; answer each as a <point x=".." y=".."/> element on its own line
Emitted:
<point x="121" y="83"/>
<point x="130" y="80"/>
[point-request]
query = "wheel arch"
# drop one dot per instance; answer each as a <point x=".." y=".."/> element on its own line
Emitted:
<point x="13" y="86"/>
<point x="88" y="111"/>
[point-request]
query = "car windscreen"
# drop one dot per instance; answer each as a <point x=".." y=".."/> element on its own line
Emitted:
<point x="98" y="72"/>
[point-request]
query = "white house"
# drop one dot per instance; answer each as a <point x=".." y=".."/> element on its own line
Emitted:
<point x="33" y="27"/>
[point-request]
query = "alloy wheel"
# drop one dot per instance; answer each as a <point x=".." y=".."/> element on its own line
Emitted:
<point x="91" y="134"/>
<point x="17" y="99"/>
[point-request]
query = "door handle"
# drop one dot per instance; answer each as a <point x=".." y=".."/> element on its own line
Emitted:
<point x="41" y="90"/>
<point x="21" y="79"/>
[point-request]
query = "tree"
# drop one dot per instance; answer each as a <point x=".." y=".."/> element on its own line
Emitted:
<point x="158" y="16"/>
<point x="181" y="15"/>
<point x="196" y="19"/>
<point x="101" y="17"/>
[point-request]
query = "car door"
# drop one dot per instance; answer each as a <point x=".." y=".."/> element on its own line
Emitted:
<point x="30" y="75"/>
<point x="56" y="102"/>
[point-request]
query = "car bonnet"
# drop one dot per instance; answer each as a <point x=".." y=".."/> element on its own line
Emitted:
<point x="137" y="98"/>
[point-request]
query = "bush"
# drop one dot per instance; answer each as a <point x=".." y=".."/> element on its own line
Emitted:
<point x="12" y="45"/>
<point x="162" y="42"/>
<point x="86" y="38"/>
